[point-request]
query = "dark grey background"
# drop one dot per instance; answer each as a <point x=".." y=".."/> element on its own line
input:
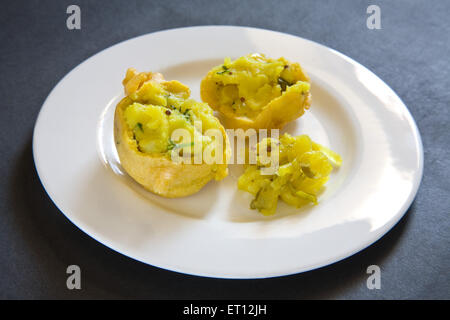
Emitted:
<point x="37" y="243"/>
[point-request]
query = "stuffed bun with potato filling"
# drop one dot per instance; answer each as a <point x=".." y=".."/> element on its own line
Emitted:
<point x="303" y="169"/>
<point x="170" y="144"/>
<point x="257" y="92"/>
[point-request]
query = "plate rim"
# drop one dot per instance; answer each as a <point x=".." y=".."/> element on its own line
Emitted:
<point x="383" y="230"/>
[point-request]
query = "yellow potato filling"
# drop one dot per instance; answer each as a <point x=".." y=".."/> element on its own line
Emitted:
<point x="159" y="108"/>
<point x="304" y="168"/>
<point x="168" y="143"/>
<point x="248" y="84"/>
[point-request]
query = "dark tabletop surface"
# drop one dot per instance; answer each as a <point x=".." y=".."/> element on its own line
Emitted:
<point x="37" y="243"/>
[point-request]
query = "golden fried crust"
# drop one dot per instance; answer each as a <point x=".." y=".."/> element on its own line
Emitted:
<point x="157" y="173"/>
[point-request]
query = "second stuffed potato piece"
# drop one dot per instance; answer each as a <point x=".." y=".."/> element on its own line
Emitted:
<point x="257" y="92"/>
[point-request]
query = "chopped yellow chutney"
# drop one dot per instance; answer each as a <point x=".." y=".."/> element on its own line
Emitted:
<point x="304" y="168"/>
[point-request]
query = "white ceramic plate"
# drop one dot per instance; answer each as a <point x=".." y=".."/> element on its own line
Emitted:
<point x="214" y="233"/>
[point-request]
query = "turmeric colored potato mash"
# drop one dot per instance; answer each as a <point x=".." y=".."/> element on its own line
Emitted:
<point x="144" y="122"/>
<point x="257" y="92"/>
<point x="304" y="167"/>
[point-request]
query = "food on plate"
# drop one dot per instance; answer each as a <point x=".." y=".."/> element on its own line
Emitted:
<point x="257" y="92"/>
<point x="304" y="168"/>
<point x="145" y="123"/>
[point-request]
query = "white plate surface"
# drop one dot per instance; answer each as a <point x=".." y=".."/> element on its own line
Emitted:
<point x="214" y="233"/>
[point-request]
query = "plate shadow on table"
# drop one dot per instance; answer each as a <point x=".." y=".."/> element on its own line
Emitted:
<point x="53" y="243"/>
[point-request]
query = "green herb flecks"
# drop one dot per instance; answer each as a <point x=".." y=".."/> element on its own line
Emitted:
<point x="283" y="83"/>
<point x="139" y="125"/>
<point x="225" y="69"/>
<point x="187" y="114"/>
<point x="183" y="145"/>
<point x="171" y="145"/>
<point x="174" y="146"/>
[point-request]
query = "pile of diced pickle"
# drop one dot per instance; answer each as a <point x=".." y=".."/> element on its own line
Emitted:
<point x="304" y="168"/>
